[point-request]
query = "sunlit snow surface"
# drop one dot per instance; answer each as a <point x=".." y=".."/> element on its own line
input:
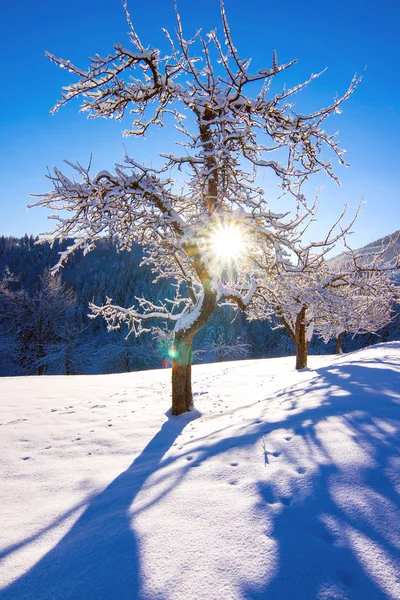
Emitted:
<point x="284" y="485"/>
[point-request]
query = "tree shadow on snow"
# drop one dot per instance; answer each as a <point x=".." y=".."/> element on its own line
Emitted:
<point x="99" y="556"/>
<point x="331" y="544"/>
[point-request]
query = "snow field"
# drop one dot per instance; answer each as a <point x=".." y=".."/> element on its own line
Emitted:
<point x="281" y="484"/>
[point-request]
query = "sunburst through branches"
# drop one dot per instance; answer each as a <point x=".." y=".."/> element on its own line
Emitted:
<point x="226" y="245"/>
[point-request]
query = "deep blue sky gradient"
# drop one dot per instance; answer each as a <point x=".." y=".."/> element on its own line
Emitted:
<point x="343" y="36"/>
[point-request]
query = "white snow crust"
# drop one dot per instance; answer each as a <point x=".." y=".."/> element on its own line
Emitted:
<point x="280" y="485"/>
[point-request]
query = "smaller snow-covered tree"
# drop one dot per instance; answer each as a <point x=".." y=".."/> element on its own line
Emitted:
<point x="312" y="295"/>
<point x="298" y="288"/>
<point x="362" y="299"/>
<point x="221" y="344"/>
<point x="294" y="298"/>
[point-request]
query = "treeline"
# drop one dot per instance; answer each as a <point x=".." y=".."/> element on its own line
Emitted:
<point x="45" y="327"/>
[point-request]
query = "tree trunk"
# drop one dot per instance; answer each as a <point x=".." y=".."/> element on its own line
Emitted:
<point x="182" y="399"/>
<point x="339" y="349"/>
<point x="301" y="340"/>
<point x="301" y="356"/>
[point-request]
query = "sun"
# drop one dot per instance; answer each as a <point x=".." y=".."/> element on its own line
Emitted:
<point x="227" y="243"/>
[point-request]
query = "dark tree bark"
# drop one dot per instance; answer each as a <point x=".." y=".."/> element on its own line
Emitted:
<point x="339" y="339"/>
<point x="301" y="340"/>
<point x="182" y="398"/>
<point x="40" y="370"/>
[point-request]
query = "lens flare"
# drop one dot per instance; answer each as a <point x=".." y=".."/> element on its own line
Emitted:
<point x="226" y="243"/>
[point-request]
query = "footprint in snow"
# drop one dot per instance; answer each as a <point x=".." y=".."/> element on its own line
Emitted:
<point x="286" y="500"/>
<point x="25" y="457"/>
<point x="268" y="494"/>
<point x="189" y="458"/>
<point x="301" y="470"/>
<point x="53" y="409"/>
<point x="276" y="454"/>
<point x="288" y="438"/>
<point x="234" y="464"/>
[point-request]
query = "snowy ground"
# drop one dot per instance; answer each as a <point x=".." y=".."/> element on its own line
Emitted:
<point x="284" y="486"/>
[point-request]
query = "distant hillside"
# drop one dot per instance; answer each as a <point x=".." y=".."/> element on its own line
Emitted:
<point x="389" y="243"/>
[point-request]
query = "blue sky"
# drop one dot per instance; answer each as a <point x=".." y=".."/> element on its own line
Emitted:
<point x="343" y="36"/>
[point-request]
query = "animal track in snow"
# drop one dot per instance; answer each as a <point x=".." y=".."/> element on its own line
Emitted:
<point x="15" y="421"/>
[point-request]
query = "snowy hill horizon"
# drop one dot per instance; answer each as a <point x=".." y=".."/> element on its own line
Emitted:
<point x="280" y="484"/>
<point x="390" y="243"/>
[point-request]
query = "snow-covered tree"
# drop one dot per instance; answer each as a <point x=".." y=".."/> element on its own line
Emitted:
<point x="41" y="325"/>
<point x="329" y="297"/>
<point x="293" y="297"/>
<point x="221" y="344"/>
<point x="361" y="301"/>
<point x="228" y="131"/>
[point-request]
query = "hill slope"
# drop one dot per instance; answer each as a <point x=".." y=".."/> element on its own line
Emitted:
<point x="280" y="485"/>
<point x="390" y="244"/>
